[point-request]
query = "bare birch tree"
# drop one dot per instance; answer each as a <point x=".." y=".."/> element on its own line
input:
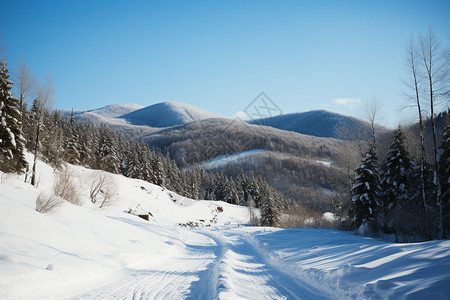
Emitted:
<point x="436" y="89"/>
<point x="41" y="104"/>
<point x="413" y="85"/>
<point x="25" y="82"/>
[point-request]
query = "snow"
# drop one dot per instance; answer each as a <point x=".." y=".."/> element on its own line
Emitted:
<point x="325" y="162"/>
<point x="168" y="114"/>
<point x="227" y="159"/>
<point x="83" y="252"/>
<point x="109" y="111"/>
<point x="329" y="216"/>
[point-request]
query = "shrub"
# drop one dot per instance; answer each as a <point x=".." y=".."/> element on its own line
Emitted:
<point x="47" y="203"/>
<point x="102" y="188"/>
<point x="64" y="186"/>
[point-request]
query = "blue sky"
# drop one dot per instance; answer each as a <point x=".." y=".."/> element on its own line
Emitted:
<point x="219" y="55"/>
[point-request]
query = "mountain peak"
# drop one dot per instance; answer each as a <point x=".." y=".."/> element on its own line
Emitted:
<point x="166" y="114"/>
<point x="321" y="123"/>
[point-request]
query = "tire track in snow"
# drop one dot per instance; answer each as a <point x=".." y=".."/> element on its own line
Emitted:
<point x="227" y="264"/>
<point x="168" y="279"/>
<point x="241" y="271"/>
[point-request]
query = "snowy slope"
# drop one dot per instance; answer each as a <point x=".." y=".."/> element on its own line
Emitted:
<point x="90" y="253"/>
<point x="108" y="111"/>
<point x="168" y="114"/>
<point x="228" y="159"/>
<point x="115" y="110"/>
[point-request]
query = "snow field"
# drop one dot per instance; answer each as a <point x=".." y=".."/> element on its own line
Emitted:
<point x="84" y="252"/>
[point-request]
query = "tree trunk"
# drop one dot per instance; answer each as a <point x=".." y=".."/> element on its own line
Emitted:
<point x="36" y="145"/>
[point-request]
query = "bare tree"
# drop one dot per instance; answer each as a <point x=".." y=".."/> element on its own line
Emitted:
<point x="65" y="187"/>
<point x="25" y="82"/>
<point x="41" y="104"/>
<point x="413" y="85"/>
<point x="372" y="110"/>
<point x="436" y="89"/>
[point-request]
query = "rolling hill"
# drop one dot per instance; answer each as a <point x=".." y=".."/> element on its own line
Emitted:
<point x="167" y="114"/>
<point x="320" y="123"/>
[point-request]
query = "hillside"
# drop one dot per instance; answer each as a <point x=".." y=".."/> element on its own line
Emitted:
<point x="167" y="114"/>
<point x="289" y="161"/>
<point x="85" y="252"/>
<point x="320" y="123"/>
<point x="203" y="140"/>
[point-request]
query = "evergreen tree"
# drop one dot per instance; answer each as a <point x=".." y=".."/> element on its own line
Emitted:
<point x="107" y="156"/>
<point x="366" y="195"/>
<point x="269" y="206"/>
<point x="53" y="138"/>
<point x="131" y="162"/>
<point x="444" y="161"/>
<point x="158" y="171"/>
<point x="85" y="145"/>
<point x="399" y="199"/>
<point x="12" y="141"/>
<point x="72" y="154"/>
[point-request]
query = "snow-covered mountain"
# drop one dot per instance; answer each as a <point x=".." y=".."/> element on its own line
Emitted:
<point x="108" y="111"/>
<point x="320" y="123"/>
<point x="115" y="110"/>
<point x="87" y="252"/>
<point x="167" y="114"/>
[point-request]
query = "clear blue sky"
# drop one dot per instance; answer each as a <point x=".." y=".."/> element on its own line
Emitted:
<point x="219" y="55"/>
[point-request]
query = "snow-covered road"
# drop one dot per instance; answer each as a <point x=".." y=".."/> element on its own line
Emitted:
<point x="217" y="263"/>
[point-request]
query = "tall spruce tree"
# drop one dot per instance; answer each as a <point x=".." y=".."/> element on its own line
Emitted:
<point x="366" y="195"/>
<point x="269" y="206"/>
<point x="399" y="201"/>
<point x="12" y="141"/>
<point x="158" y="170"/>
<point x="107" y="155"/>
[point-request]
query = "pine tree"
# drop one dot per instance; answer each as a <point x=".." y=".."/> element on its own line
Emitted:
<point x="53" y="139"/>
<point x="269" y="206"/>
<point x="85" y="145"/>
<point x="397" y="180"/>
<point x="366" y="195"/>
<point x="72" y="154"/>
<point x="158" y="171"/>
<point x="107" y="155"/>
<point x="444" y="162"/>
<point x="12" y="141"/>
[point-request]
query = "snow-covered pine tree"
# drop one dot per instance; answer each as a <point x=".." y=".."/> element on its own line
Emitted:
<point x="130" y="165"/>
<point x="158" y="170"/>
<point x="254" y="190"/>
<point x="269" y="206"/>
<point x="53" y="139"/>
<point x="399" y="200"/>
<point x="197" y="179"/>
<point x="444" y="161"/>
<point x="228" y="190"/>
<point x="72" y="155"/>
<point x="243" y="185"/>
<point x="12" y="141"/>
<point x="366" y="195"/>
<point x="107" y="155"/>
<point x="86" y="144"/>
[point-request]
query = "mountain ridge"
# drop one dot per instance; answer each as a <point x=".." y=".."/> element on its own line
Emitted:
<point x="167" y="114"/>
<point x="320" y="123"/>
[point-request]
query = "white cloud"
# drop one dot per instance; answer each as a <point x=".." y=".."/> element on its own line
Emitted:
<point x="346" y="101"/>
